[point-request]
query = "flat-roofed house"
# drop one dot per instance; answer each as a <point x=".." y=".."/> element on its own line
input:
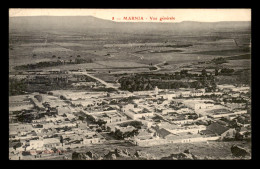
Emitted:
<point x="198" y="104"/>
<point x="138" y="113"/>
<point x="91" y="140"/>
<point x="111" y="116"/>
<point x="63" y="110"/>
<point x="51" y="142"/>
<point x="36" y="144"/>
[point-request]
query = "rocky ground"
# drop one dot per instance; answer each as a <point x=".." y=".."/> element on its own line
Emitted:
<point x="237" y="152"/>
<point x="116" y="154"/>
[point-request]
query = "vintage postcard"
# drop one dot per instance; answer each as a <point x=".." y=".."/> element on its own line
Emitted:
<point x="129" y="84"/>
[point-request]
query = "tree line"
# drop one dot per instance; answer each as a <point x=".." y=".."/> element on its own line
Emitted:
<point x="51" y="64"/>
<point x="143" y="82"/>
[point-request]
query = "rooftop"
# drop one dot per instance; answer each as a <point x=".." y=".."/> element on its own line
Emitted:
<point x="51" y="141"/>
<point x="217" y="128"/>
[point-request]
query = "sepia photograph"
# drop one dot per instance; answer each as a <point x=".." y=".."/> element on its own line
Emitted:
<point x="129" y="84"/>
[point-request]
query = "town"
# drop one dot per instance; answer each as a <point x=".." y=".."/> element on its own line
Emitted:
<point x="50" y="124"/>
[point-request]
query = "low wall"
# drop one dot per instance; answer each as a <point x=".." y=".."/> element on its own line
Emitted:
<point x="152" y="142"/>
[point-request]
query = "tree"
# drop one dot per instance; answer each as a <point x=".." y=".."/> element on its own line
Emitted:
<point x="81" y="118"/>
<point x="178" y="77"/>
<point x="233" y="124"/>
<point x="184" y="72"/>
<point x="204" y="72"/>
<point x="216" y="72"/>
<point x="99" y="130"/>
<point x="101" y="122"/>
<point x="136" y="124"/>
<point x="227" y="71"/>
<point x="119" y="134"/>
<point x="79" y="60"/>
<point x="219" y="60"/>
<point x="135" y="132"/>
<point x="61" y="140"/>
<point x="152" y="68"/>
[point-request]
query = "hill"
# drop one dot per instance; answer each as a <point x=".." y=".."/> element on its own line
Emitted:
<point x="90" y="23"/>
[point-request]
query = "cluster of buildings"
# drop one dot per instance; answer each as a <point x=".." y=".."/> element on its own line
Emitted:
<point x="69" y="119"/>
<point x="58" y="129"/>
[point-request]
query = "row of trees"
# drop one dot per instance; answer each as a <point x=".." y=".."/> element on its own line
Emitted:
<point x="219" y="60"/>
<point x="27" y="116"/>
<point x="142" y="84"/>
<point x="38" y="65"/>
<point x="226" y="71"/>
<point x="54" y="56"/>
<point x="136" y="83"/>
<point x="52" y="64"/>
<point x="235" y="100"/>
<point x="46" y="83"/>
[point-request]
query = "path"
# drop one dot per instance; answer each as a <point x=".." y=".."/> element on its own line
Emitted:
<point x="108" y="85"/>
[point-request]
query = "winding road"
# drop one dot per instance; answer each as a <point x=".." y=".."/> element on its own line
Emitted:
<point x="157" y="66"/>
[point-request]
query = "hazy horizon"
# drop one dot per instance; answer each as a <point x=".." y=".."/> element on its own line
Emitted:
<point x="123" y="21"/>
<point x="180" y="15"/>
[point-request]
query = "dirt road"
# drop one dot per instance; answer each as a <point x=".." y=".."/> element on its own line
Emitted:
<point x="108" y="85"/>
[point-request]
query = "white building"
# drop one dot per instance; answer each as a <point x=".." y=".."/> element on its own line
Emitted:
<point x="156" y="90"/>
<point x="35" y="144"/>
<point x="198" y="104"/>
<point x="91" y="140"/>
<point x="137" y="113"/>
<point x="195" y="129"/>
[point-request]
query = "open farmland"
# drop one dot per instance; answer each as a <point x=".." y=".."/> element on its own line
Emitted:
<point x="114" y="54"/>
<point x="125" y="47"/>
<point x="238" y="64"/>
<point x="120" y="64"/>
<point x="50" y="49"/>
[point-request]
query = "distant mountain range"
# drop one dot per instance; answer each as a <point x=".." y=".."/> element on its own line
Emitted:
<point x="90" y="23"/>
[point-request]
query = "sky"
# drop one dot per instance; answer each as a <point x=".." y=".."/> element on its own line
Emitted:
<point x="173" y="15"/>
